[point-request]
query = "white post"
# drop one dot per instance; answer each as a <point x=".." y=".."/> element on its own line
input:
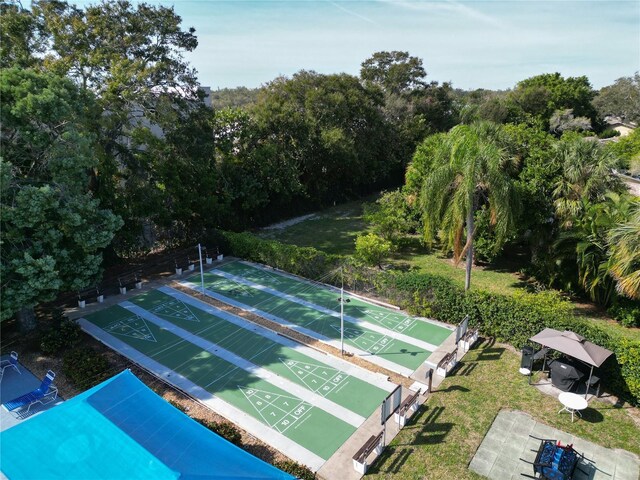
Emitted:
<point x="342" y="320"/>
<point x="201" y="270"/>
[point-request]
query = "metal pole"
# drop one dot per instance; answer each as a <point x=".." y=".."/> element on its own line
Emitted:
<point x="588" y="382"/>
<point x="201" y="270"/>
<point x="342" y="320"/>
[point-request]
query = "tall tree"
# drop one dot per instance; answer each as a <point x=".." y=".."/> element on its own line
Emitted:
<point x="468" y="170"/>
<point x="131" y="57"/>
<point x="535" y="99"/>
<point x="587" y="175"/>
<point x="53" y="230"/>
<point x="332" y="129"/>
<point x="394" y="72"/>
<point x="20" y="37"/>
<point x="622" y="99"/>
<point x="414" y="107"/>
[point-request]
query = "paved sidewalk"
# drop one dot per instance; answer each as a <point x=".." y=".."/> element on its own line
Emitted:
<point x="498" y="457"/>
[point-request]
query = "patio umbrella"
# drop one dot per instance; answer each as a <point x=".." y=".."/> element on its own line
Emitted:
<point x="575" y="346"/>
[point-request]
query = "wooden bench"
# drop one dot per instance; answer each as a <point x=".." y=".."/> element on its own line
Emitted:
<point x="129" y="281"/>
<point x="360" y="458"/>
<point x="408" y="404"/>
<point x="468" y="339"/>
<point x="448" y="363"/>
<point x="89" y="294"/>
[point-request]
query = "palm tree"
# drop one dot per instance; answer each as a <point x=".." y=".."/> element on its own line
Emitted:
<point x="468" y="170"/>
<point x="586" y="176"/>
<point x="624" y="246"/>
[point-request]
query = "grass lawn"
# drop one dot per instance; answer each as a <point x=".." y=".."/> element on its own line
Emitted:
<point x="334" y="231"/>
<point x="442" y="437"/>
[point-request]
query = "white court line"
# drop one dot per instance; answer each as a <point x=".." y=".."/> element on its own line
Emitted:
<point x="377" y="379"/>
<point x="368" y="301"/>
<point x="361" y="323"/>
<point x="383" y="362"/>
<point x="234" y="414"/>
<point x="294" y="389"/>
<point x="275" y="407"/>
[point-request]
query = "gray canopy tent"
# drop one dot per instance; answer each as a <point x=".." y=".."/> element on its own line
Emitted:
<point x="575" y="346"/>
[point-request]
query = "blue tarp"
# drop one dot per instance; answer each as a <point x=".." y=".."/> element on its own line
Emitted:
<point x="121" y="429"/>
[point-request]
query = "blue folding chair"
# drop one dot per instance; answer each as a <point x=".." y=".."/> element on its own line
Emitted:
<point x="12" y="362"/>
<point x="44" y="394"/>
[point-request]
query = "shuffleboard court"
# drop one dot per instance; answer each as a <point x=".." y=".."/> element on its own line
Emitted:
<point x="394" y="354"/>
<point x="325" y="297"/>
<point x="308" y="426"/>
<point x="260" y="347"/>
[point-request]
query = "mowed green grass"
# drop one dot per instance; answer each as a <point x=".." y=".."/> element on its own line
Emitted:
<point x="334" y="231"/>
<point x="442" y="437"/>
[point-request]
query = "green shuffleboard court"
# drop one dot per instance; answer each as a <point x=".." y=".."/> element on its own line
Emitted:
<point x="311" y="427"/>
<point x="355" y="394"/>
<point x="326" y="297"/>
<point x="392" y="350"/>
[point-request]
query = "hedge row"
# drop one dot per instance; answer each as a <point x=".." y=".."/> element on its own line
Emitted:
<point x="511" y="319"/>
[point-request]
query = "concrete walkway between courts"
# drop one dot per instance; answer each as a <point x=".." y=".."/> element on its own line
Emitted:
<point x="508" y="440"/>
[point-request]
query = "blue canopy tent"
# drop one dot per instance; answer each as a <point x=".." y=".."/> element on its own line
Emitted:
<point x="122" y="429"/>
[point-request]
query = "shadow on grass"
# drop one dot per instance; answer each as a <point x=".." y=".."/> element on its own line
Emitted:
<point x="395" y="458"/>
<point x="591" y="415"/>
<point x="454" y="388"/>
<point x="464" y="369"/>
<point x="429" y="431"/>
<point x="489" y="354"/>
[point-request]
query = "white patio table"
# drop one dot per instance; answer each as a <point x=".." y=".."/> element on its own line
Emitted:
<point x="572" y="403"/>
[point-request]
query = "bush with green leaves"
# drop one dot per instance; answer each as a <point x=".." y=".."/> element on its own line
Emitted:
<point x="60" y="337"/>
<point x="372" y="249"/>
<point x="305" y="261"/>
<point x="84" y="367"/>
<point x="609" y="133"/>
<point x="627" y="312"/>
<point x="296" y="469"/>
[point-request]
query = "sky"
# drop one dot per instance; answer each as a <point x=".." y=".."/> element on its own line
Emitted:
<point x="489" y="44"/>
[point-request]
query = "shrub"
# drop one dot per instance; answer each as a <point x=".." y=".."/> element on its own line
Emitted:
<point x="372" y="249"/>
<point x="609" y="133"/>
<point x="62" y="336"/>
<point x="626" y="312"/>
<point x="84" y="367"/>
<point x="225" y="429"/>
<point x="305" y="261"/>
<point x="295" y="469"/>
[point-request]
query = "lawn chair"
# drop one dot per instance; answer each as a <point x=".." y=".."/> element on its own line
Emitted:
<point x="12" y="361"/>
<point x="44" y="394"/>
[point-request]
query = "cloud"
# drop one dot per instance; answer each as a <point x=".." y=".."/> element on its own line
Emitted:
<point x="451" y="6"/>
<point x="351" y="12"/>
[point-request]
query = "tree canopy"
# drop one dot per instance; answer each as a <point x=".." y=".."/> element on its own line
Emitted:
<point x="53" y="230"/>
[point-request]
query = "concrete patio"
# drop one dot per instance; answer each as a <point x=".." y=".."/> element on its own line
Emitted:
<point x="498" y="456"/>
